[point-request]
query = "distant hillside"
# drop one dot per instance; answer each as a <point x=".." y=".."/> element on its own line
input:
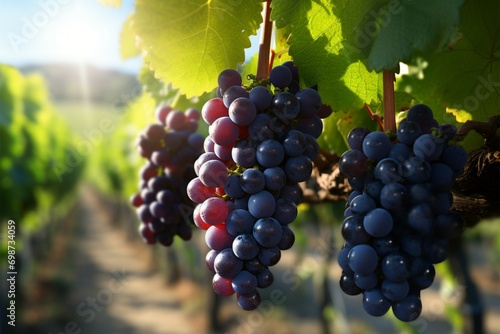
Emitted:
<point x="106" y="86"/>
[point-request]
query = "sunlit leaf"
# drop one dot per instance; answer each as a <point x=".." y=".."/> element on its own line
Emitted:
<point x="281" y="41"/>
<point x="150" y="83"/>
<point x="338" y="126"/>
<point x="111" y="3"/>
<point x="249" y="67"/>
<point x="189" y="43"/>
<point x="128" y="49"/>
<point x="316" y="46"/>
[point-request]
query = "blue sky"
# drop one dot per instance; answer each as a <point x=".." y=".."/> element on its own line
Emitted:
<point x="55" y="31"/>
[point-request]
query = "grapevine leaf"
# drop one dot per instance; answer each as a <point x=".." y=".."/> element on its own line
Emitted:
<point x="331" y="139"/>
<point x="249" y="67"/>
<point x="337" y="127"/>
<point x="189" y="43"/>
<point x="164" y="93"/>
<point x="466" y="78"/>
<point x="11" y="89"/>
<point x="472" y="141"/>
<point x="353" y="119"/>
<point x="281" y="41"/>
<point x="407" y="26"/>
<point x="316" y="46"/>
<point x="127" y="40"/>
<point x="111" y="3"/>
<point x="402" y="101"/>
<point x="152" y="85"/>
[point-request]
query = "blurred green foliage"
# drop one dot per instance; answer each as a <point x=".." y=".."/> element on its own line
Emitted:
<point x="39" y="160"/>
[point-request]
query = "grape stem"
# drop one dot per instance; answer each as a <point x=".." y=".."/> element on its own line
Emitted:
<point x="374" y="117"/>
<point x="389" y="105"/>
<point x="265" y="42"/>
<point x="271" y="60"/>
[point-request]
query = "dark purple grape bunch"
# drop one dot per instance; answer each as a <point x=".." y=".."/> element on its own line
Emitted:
<point x="261" y="145"/>
<point x="398" y="220"/>
<point x="170" y="147"/>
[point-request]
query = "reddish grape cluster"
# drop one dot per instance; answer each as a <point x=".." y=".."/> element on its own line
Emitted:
<point x="261" y="145"/>
<point x="170" y="147"/>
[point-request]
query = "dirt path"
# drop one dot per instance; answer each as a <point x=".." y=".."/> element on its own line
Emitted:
<point x="114" y="291"/>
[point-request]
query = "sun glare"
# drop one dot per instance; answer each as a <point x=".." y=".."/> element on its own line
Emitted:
<point x="78" y="41"/>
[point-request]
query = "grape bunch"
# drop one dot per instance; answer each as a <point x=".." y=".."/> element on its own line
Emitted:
<point x="261" y="143"/>
<point x="170" y="147"/>
<point x="398" y="220"/>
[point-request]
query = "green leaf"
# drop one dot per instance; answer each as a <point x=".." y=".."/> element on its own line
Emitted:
<point x="353" y="119"/>
<point x="337" y="127"/>
<point x="407" y="26"/>
<point x="150" y="83"/>
<point x="164" y="93"/>
<point x="316" y="46"/>
<point x="335" y="42"/>
<point x="33" y="135"/>
<point x="472" y="141"/>
<point x="331" y="139"/>
<point x="467" y="77"/>
<point x="189" y="43"/>
<point x="128" y="49"/>
<point x="249" y="67"/>
<point x="111" y="3"/>
<point x="281" y="41"/>
<point x="402" y="101"/>
<point x="11" y="90"/>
